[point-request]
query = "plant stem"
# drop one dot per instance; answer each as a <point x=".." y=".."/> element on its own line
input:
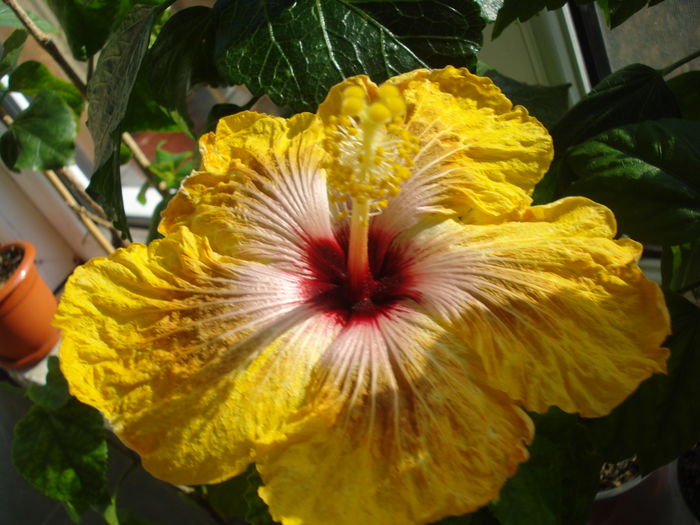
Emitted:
<point x="681" y="62"/>
<point x="50" y="47"/>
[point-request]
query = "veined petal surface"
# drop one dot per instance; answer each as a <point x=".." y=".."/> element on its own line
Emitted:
<point x="416" y="436"/>
<point x="179" y="347"/>
<point x="479" y="158"/>
<point x="559" y="313"/>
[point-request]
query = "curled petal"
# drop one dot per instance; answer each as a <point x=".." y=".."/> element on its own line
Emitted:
<point x="558" y="312"/>
<point x="179" y="346"/>
<point x="479" y="156"/>
<point x="416" y="434"/>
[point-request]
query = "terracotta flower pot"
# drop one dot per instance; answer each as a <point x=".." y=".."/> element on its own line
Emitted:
<point x="27" y="307"/>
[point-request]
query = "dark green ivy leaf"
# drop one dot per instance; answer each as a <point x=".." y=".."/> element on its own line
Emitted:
<point x="647" y="173"/>
<point x="632" y="94"/>
<point x="32" y="77"/>
<point x="177" y="59"/>
<point x="63" y="453"/>
<point x="110" y="87"/>
<point x="11" y="49"/>
<point x="87" y="23"/>
<point x="546" y="103"/>
<point x="556" y="486"/>
<point x="617" y="11"/>
<point x="686" y="87"/>
<point x="522" y="10"/>
<point x="106" y="188"/>
<point x="42" y="136"/>
<point x="294" y="52"/>
<point x="680" y="266"/>
<point x="54" y="394"/>
<point x="661" y="419"/>
<point x="440" y="33"/>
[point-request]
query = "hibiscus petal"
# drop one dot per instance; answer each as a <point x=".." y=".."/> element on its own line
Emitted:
<point x="479" y="157"/>
<point x="558" y="312"/>
<point x="183" y="349"/>
<point x="262" y="193"/>
<point x="417" y="435"/>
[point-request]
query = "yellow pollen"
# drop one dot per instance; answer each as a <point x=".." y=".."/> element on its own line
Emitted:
<point x="372" y="151"/>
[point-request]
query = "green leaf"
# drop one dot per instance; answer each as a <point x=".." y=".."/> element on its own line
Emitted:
<point x="556" y="486"/>
<point x="660" y="420"/>
<point x="143" y="113"/>
<point x="547" y="103"/>
<point x="42" y="136"/>
<point x="228" y="498"/>
<point x="110" y="87"/>
<point x="106" y="188"/>
<point x="9" y="19"/>
<point x="171" y="168"/>
<point x="440" y="33"/>
<point x="617" y="11"/>
<point x="632" y="94"/>
<point x="295" y="52"/>
<point x="522" y="10"/>
<point x="87" y="23"/>
<point x="11" y="49"/>
<point x="63" y="453"/>
<point x="686" y="87"/>
<point x="32" y="77"/>
<point x="648" y="174"/>
<point x="680" y="266"/>
<point x="54" y="394"/>
<point x="178" y="58"/>
<point x="489" y="9"/>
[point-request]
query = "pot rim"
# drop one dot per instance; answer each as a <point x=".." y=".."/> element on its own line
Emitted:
<point x="21" y="272"/>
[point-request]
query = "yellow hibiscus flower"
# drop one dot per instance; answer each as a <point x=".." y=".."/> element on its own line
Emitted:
<point x="362" y="302"/>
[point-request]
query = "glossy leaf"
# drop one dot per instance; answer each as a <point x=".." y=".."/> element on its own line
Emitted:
<point x="60" y="446"/>
<point x="686" y="88"/>
<point x="662" y="418"/>
<point x="556" y="486"/>
<point x="489" y="9"/>
<point x="32" y="77"/>
<point x="648" y="174"/>
<point x="547" y="103"/>
<point x="440" y="33"/>
<point x="11" y="48"/>
<point x="522" y="10"/>
<point x="9" y="19"/>
<point x="680" y="266"/>
<point x="617" y="11"/>
<point x="295" y="52"/>
<point x="54" y="394"/>
<point x="114" y="78"/>
<point x="106" y="188"/>
<point x="632" y="94"/>
<point x="178" y="58"/>
<point x="42" y="136"/>
<point x="87" y="23"/>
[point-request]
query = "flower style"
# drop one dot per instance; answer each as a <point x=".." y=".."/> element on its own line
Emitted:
<point x="362" y="302"/>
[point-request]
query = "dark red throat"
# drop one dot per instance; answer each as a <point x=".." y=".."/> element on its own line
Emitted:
<point x="387" y="282"/>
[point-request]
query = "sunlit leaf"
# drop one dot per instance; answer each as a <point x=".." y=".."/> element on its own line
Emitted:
<point x="54" y="394"/>
<point x="11" y="48"/>
<point x="9" y="19"/>
<point x="42" y="136"/>
<point x="633" y="94"/>
<point x="647" y="173"/>
<point x="32" y="77"/>
<point x="680" y="266"/>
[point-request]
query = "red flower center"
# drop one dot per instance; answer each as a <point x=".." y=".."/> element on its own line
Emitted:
<point x="388" y="280"/>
